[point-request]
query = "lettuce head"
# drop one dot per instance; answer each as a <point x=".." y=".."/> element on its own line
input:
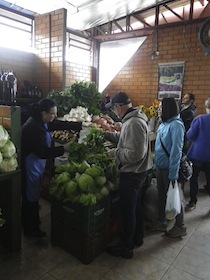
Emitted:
<point x="4" y="136"/>
<point x="8" y="150"/>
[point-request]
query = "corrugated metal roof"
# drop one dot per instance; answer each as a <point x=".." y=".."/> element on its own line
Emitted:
<point x="87" y="14"/>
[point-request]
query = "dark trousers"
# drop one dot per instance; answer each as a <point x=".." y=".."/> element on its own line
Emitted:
<point x="162" y="185"/>
<point x="30" y="216"/>
<point x="197" y="167"/>
<point x="130" y="189"/>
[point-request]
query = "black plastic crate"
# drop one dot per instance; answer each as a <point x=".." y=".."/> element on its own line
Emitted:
<point x="84" y="248"/>
<point x="86" y="219"/>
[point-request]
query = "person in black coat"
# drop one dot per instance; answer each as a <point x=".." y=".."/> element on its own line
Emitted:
<point x="35" y="150"/>
<point x="187" y="114"/>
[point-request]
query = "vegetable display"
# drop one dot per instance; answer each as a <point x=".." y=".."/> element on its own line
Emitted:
<point x="8" y="156"/>
<point x="90" y="173"/>
<point x="86" y="187"/>
<point x="83" y="94"/>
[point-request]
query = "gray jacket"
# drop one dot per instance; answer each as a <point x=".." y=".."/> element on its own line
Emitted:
<point x="133" y="152"/>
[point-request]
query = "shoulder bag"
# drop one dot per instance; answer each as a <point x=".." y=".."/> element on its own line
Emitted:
<point x="185" y="169"/>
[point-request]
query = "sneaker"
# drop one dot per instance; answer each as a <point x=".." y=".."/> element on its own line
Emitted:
<point x="176" y="232"/>
<point x="157" y="227"/>
<point x="191" y="206"/>
<point x="119" y="251"/>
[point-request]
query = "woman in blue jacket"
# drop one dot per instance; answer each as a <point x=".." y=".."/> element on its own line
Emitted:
<point x="171" y="133"/>
<point x="199" y="152"/>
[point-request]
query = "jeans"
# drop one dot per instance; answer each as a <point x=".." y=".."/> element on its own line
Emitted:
<point x="197" y="167"/>
<point x="162" y="185"/>
<point x="130" y="189"/>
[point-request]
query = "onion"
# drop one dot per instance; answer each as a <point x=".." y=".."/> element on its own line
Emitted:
<point x="95" y="119"/>
<point x="105" y="126"/>
<point x="102" y="121"/>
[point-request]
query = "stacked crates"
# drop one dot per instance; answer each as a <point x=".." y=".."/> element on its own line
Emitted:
<point x="80" y="230"/>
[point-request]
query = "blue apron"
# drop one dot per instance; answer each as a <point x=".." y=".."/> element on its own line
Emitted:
<point x="35" y="167"/>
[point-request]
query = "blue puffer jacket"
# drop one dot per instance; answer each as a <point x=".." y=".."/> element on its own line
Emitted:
<point x="172" y="136"/>
<point x="199" y="133"/>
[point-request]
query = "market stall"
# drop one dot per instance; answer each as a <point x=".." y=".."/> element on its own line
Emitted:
<point x="85" y="210"/>
<point x="10" y="177"/>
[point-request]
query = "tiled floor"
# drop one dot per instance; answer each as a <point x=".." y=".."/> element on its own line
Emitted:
<point x="186" y="258"/>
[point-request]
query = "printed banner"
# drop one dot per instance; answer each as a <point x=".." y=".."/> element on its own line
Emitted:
<point x="170" y="80"/>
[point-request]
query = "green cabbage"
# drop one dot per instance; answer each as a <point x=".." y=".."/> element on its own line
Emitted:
<point x="61" y="178"/>
<point x="70" y="188"/>
<point x="104" y="191"/>
<point x="87" y="199"/>
<point x="8" y="150"/>
<point x="100" y="180"/>
<point x="4" y="136"/>
<point x="83" y="166"/>
<point x="8" y="164"/>
<point x="70" y="167"/>
<point x="86" y="183"/>
<point x="94" y="171"/>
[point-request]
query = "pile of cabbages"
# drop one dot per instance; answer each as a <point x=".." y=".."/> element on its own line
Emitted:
<point x="82" y="183"/>
<point x="8" y="155"/>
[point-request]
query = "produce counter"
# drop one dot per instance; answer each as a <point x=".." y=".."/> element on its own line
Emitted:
<point x="82" y="218"/>
<point x="85" y="207"/>
<point x="10" y="182"/>
<point x="10" y="203"/>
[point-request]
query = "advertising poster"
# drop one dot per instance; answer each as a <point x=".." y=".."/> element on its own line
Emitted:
<point x="170" y="80"/>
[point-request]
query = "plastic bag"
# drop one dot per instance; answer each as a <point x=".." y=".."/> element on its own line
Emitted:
<point x="173" y="201"/>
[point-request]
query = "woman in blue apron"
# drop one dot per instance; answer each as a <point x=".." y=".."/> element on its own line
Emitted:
<point x="35" y="150"/>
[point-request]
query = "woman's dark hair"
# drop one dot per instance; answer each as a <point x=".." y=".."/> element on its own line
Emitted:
<point x="170" y="109"/>
<point x="43" y="105"/>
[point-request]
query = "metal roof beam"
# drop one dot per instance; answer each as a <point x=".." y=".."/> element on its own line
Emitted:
<point x="141" y="32"/>
<point x="118" y="26"/>
<point x="168" y="8"/>
<point x="141" y="20"/>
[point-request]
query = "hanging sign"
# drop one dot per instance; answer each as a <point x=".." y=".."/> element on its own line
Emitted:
<point x="170" y="79"/>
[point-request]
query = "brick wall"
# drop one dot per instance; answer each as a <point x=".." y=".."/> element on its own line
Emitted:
<point x="139" y="77"/>
<point x="50" y="44"/>
<point x="77" y="72"/>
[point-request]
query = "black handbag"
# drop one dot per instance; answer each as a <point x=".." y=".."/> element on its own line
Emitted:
<point x="185" y="168"/>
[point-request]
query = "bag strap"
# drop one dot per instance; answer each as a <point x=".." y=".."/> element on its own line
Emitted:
<point x="164" y="148"/>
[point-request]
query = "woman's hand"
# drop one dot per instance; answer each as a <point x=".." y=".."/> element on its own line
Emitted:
<point x="66" y="147"/>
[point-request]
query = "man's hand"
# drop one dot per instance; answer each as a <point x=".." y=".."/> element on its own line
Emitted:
<point x="111" y="152"/>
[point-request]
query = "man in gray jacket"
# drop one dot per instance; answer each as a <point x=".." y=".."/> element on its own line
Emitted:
<point x="133" y="160"/>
